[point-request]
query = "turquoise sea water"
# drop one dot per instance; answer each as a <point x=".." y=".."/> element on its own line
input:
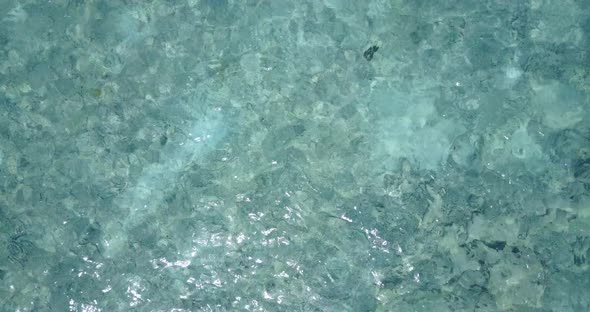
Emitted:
<point x="277" y="155"/>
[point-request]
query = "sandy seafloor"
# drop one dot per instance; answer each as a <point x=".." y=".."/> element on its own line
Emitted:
<point x="225" y="155"/>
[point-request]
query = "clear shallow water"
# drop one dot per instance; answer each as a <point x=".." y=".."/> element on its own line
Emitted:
<point x="246" y="156"/>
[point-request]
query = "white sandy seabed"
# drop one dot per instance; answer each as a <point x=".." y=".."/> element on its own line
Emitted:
<point x="142" y="200"/>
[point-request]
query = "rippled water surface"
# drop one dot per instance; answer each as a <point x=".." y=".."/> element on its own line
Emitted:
<point x="325" y="155"/>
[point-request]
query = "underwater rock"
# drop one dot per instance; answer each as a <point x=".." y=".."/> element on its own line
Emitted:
<point x="370" y="52"/>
